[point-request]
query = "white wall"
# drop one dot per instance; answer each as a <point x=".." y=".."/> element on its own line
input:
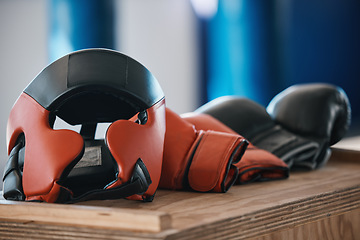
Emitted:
<point x="161" y="34"/>
<point x="22" y="54"/>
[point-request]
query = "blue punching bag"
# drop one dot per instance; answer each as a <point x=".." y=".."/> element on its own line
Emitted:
<point x="242" y="51"/>
<point x="80" y="24"/>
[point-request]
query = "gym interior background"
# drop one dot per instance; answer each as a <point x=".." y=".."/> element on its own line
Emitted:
<point x="198" y="50"/>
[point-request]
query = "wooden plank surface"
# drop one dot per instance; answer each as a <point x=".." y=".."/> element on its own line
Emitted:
<point x="343" y="226"/>
<point x="329" y="190"/>
<point x="100" y="217"/>
<point x="246" y="211"/>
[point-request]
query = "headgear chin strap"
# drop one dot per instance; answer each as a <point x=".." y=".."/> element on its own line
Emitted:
<point x="86" y="88"/>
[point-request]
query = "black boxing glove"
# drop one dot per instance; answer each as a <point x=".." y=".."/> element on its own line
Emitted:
<point x="318" y="111"/>
<point x="295" y="146"/>
<point x="251" y="120"/>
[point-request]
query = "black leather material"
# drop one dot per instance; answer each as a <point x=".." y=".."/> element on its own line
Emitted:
<point x="251" y="120"/>
<point x="319" y="110"/>
<point x="293" y="149"/>
<point x="138" y="184"/>
<point x="99" y="78"/>
<point x="95" y="169"/>
<point x="299" y="125"/>
<point x="12" y="185"/>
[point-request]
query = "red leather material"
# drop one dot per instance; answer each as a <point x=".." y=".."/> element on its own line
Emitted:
<point x="212" y="161"/>
<point x="44" y="162"/>
<point x="180" y="140"/>
<point x="259" y="164"/>
<point x="256" y="164"/>
<point x="202" y="160"/>
<point x="206" y="122"/>
<point x="51" y="197"/>
<point x="129" y="141"/>
<point x="86" y="89"/>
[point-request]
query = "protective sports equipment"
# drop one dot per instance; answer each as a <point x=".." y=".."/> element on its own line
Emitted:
<point x="319" y="112"/>
<point x="255" y="165"/>
<point x="299" y="147"/>
<point x="199" y="160"/>
<point x="86" y="88"/>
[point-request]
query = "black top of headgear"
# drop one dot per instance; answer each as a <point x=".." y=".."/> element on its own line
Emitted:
<point x="95" y="85"/>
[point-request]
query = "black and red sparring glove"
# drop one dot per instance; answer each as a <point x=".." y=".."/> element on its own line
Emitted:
<point x="199" y="160"/>
<point x="256" y="164"/>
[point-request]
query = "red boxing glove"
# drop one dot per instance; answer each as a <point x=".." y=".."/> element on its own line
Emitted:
<point x="256" y="164"/>
<point x="200" y="160"/>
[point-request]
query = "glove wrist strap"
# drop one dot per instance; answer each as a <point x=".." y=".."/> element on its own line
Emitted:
<point x="212" y="168"/>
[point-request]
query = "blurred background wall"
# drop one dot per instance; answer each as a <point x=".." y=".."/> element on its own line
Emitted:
<point x="256" y="48"/>
<point x="160" y="34"/>
<point x="198" y="50"/>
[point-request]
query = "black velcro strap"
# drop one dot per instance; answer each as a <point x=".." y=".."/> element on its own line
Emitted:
<point x="138" y="184"/>
<point x="88" y="131"/>
<point x="291" y="148"/>
<point x="12" y="186"/>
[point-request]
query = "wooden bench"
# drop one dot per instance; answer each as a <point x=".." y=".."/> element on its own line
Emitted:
<point x="320" y="204"/>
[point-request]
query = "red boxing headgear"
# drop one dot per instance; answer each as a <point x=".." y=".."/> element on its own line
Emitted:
<point x="86" y="88"/>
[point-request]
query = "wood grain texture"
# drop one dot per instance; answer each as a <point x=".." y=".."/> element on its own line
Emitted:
<point x="327" y="199"/>
<point x="343" y="226"/>
<point x="100" y="217"/>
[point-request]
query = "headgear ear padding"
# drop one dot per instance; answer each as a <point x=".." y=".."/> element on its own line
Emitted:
<point x="143" y="136"/>
<point x="86" y="87"/>
<point x="51" y="150"/>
